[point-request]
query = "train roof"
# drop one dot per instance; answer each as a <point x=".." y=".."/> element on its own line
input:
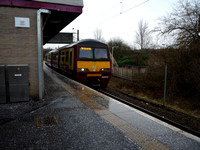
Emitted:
<point x="91" y="42"/>
<point x="85" y="42"/>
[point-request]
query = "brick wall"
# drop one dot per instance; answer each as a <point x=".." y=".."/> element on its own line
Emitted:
<point x="19" y="45"/>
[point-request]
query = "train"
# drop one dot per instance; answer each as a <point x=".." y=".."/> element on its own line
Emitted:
<point x="86" y="61"/>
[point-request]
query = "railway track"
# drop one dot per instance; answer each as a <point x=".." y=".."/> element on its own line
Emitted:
<point x="147" y="111"/>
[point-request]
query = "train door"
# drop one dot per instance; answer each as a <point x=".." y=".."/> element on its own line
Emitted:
<point x="55" y="59"/>
<point x="71" y="58"/>
<point x="51" y="59"/>
<point x="62" y="60"/>
<point x="67" y="59"/>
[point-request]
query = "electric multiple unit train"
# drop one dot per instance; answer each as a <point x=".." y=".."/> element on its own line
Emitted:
<point x="87" y="61"/>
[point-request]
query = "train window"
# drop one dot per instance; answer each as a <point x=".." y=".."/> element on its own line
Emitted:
<point x="63" y="56"/>
<point x="55" y="56"/>
<point x="70" y="56"/>
<point x="67" y="56"/>
<point x="85" y="53"/>
<point x="101" y="53"/>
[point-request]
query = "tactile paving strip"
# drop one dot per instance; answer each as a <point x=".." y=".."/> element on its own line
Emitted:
<point x="140" y="138"/>
<point x="143" y="140"/>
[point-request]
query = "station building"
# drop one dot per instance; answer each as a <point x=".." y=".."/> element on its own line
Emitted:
<point x="25" y="26"/>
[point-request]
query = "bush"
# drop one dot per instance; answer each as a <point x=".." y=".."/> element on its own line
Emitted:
<point x="183" y="74"/>
<point x="124" y="55"/>
<point x="125" y="61"/>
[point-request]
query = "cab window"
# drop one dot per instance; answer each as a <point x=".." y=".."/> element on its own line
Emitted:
<point x="101" y="53"/>
<point x="85" y="53"/>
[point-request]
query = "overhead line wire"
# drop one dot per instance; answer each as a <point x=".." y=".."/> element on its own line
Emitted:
<point x="123" y="12"/>
<point x="136" y="6"/>
<point x="108" y="10"/>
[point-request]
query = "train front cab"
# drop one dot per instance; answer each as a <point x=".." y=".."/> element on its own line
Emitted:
<point x="93" y="65"/>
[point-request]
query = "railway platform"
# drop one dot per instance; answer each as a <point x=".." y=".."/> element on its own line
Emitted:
<point x="73" y="116"/>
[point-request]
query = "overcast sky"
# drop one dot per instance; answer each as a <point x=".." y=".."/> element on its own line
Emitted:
<point x="118" y="18"/>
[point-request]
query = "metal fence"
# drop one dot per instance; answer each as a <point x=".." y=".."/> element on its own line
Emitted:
<point x="128" y="72"/>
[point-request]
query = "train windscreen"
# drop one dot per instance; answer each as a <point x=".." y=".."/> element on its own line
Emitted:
<point x="87" y="53"/>
<point x="100" y="53"/>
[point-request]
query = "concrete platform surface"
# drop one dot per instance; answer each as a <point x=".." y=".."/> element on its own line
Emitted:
<point x="61" y="121"/>
<point x="73" y="116"/>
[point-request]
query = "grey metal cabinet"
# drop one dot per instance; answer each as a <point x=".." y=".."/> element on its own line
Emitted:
<point x="18" y="83"/>
<point x="2" y="85"/>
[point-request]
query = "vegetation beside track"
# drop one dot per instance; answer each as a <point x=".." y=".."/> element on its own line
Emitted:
<point x="187" y="106"/>
<point x="183" y="75"/>
<point x="177" y="110"/>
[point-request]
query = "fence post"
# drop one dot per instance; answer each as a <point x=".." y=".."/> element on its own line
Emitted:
<point x="165" y="85"/>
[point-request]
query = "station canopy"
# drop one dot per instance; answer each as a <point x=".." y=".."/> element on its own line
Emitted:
<point x="63" y="12"/>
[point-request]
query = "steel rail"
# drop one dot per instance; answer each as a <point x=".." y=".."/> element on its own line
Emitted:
<point x="162" y="118"/>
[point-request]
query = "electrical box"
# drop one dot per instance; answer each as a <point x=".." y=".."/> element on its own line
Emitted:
<point x="2" y="85"/>
<point x="18" y="83"/>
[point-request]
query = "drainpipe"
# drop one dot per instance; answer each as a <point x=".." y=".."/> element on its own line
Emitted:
<point x="39" y="38"/>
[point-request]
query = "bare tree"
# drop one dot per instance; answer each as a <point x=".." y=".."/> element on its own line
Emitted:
<point x="183" y="23"/>
<point x="98" y="34"/>
<point x="143" y="35"/>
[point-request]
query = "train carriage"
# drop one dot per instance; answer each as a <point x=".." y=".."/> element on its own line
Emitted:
<point x="87" y="61"/>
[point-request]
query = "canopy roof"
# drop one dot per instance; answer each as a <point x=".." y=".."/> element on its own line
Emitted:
<point x="63" y="12"/>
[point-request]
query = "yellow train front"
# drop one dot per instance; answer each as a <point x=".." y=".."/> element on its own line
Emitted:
<point x="87" y="61"/>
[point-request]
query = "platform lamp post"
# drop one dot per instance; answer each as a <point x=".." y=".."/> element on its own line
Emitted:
<point x="77" y="37"/>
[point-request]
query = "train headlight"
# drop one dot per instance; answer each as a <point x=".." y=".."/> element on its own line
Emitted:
<point x="105" y="69"/>
<point x="83" y="70"/>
